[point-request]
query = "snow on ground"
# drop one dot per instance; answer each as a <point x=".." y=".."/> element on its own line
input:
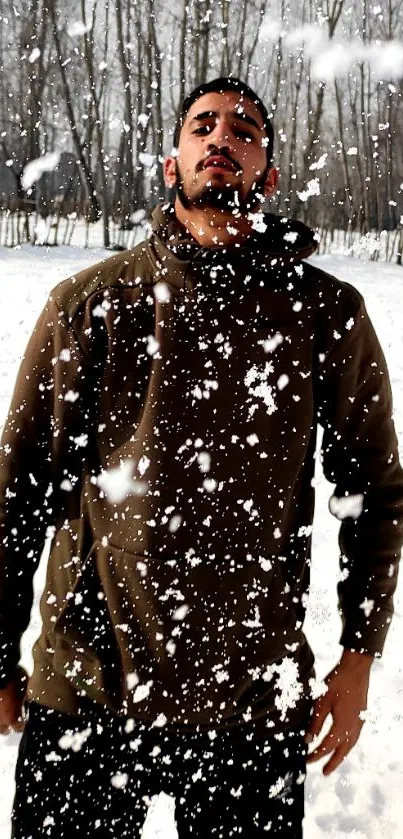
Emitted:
<point x="362" y="800"/>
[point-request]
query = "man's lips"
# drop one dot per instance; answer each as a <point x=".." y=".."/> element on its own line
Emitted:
<point x="218" y="162"/>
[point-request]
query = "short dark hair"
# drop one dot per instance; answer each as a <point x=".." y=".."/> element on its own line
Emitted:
<point x="221" y="85"/>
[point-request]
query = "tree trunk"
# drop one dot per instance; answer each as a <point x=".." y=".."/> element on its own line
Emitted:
<point x="86" y="173"/>
<point x="102" y="159"/>
<point x="126" y="180"/>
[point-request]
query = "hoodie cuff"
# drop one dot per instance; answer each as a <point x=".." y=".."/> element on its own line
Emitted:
<point x="366" y="634"/>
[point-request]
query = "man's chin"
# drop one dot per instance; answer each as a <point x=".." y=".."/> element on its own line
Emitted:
<point x="225" y="198"/>
<point x="218" y="197"/>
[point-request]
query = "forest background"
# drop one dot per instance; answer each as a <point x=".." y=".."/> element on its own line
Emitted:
<point x="90" y="91"/>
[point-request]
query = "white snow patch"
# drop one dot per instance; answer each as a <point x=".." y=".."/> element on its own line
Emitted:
<point x="180" y="613"/>
<point x="349" y="506"/>
<point x="288" y="685"/>
<point x="74" y="740"/>
<point x="367" y="606"/>
<point x="81" y="441"/>
<point x="283" y="381"/>
<point x="258" y="222"/>
<point x="270" y="344"/>
<point x="312" y="188"/>
<point x="270" y="31"/>
<point x="143" y="464"/>
<point x="160" y="721"/>
<point x="320" y="163"/>
<point x="142" y="119"/>
<point x="35" y="168"/>
<point x="77" y="28"/>
<point x="256" y="382"/>
<point x="160" y="819"/>
<point x="210" y="484"/>
<point x="152" y="345"/>
<point x="132" y="680"/>
<point x="118" y="482"/>
<point x="309" y="35"/>
<point x="147" y="160"/>
<point x="291" y="236"/>
<point x="34" y="55"/>
<point x="175" y="523"/>
<point x="265" y="563"/>
<point x="119" y="780"/>
<point x="162" y="292"/>
<point x="204" y="461"/>
<point x="71" y="396"/>
<point x="142" y="691"/>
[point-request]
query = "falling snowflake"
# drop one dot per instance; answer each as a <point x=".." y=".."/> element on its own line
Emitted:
<point x="119" y="780"/>
<point x="312" y="188"/>
<point x="74" y="740"/>
<point x="349" y="506"/>
<point x="256" y="382"/>
<point x="367" y="606"/>
<point x="34" y="170"/>
<point x="117" y="483"/>
<point x="288" y="685"/>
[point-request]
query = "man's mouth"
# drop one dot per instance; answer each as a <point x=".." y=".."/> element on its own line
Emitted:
<point x="217" y="161"/>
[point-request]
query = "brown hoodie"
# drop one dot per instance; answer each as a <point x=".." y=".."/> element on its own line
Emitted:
<point x="164" y="425"/>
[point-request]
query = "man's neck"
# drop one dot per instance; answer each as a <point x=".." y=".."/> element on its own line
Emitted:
<point x="213" y="227"/>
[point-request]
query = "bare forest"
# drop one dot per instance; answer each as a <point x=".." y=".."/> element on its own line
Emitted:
<point x="90" y="90"/>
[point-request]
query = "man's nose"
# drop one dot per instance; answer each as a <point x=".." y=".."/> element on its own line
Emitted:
<point x="221" y="135"/>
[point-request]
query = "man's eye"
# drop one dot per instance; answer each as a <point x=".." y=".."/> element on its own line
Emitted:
<point x="245" y="134"/>
<point x="202" y="129"/>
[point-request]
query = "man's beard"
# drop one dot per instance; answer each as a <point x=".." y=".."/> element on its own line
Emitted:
<point x="224" y="197"/>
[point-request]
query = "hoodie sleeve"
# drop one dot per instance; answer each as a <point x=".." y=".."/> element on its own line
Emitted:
<point x="42" y="450"/>
<point x="360" y="456"/>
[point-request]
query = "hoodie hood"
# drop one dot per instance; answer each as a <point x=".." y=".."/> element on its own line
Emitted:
<point x="275" y="241"/>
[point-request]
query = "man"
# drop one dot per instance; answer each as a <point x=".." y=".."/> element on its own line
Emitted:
<point x="164" y="425"/>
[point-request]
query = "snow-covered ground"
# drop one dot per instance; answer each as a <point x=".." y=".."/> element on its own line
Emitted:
<point x="363" y="799"/>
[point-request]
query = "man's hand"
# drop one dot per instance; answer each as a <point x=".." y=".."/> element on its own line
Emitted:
<point x="345" y="699"/>
<point x="11" y="701"/>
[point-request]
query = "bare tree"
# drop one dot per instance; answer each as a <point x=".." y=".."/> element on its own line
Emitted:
<point x="108" y="93"/>
<point x="333" y="11"/>
<point x="124" y="192"/>
<point x="96" y="90"/>
<point x="79" y="145"/>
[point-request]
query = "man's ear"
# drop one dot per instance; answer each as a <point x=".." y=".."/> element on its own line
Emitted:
<point x="170" y="171"/>
<point x="271" y="182"/>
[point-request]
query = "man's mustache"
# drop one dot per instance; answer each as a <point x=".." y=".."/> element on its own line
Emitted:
<point x="215" y="152"/>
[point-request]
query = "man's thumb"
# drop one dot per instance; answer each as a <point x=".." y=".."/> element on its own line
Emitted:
<point x="320" y="711"/>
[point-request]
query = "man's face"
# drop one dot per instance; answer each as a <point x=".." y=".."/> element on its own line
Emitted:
<point x="221" y="159"/>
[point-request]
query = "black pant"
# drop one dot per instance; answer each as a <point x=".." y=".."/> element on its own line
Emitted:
<point x="92" y="776"/>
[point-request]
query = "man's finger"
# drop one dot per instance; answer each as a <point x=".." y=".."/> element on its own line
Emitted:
<point x="333" y="740"/>
<point x="338" y="756"/>
<point x="320" y="712"/>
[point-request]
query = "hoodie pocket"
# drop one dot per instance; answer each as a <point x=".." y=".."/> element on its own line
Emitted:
<point x="153" y="636"/>
<point x="84" y="641"/>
